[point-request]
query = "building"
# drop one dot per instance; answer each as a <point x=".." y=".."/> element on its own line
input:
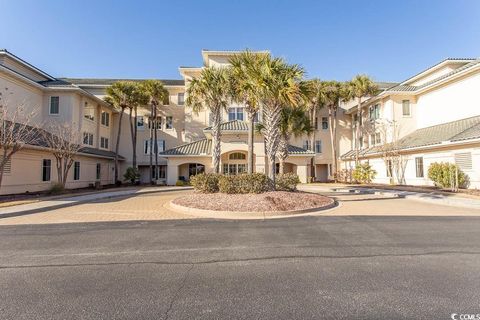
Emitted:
<point x="419" y="103"/>
<point x="433" y="116"/>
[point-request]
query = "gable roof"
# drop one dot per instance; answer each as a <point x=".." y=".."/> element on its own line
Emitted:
<point x="455" y="131"/>
<point x="234" y="125"/>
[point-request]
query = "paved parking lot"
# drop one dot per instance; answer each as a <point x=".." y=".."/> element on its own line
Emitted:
<point x="154" y="206"/>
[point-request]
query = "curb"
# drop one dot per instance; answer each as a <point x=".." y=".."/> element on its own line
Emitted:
<point x="246" y="215"/>
<point x="77" y="202"/>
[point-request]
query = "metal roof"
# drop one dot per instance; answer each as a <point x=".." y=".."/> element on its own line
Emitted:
<point x="107" y="82"/>
<point x="455" y="131"/>
<point x="196" y="148"/>
<point x="234" y="125"/>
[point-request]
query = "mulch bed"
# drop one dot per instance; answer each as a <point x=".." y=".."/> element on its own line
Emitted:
<point x="264" y="202"/>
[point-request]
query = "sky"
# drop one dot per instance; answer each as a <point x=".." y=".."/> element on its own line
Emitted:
<point x="387" y="40"/>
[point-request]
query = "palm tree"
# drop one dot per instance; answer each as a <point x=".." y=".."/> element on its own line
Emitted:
<point x="119" y="95"/>
<point x="211" y="91"/>
<point x="359" y="87"/>
<point x="137" y="98"/>
<point x="243" y="90"/>
<point x="279" y="86"/>
<point x="296" y="122"/>
<point x="156" y="93"/>
<point x="315" y="98"/>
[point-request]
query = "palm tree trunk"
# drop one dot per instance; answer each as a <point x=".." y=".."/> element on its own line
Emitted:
<point x="251" y="130"/>
<point x="216" y="143"/>
<point x="282" y="153"/>
<point x="312" y="143"/>
<point x="156" y="144"/>
<point x="152" y="125"/>
<point x="117" y="144"/>
<point x="272" y="124"/>
<point x="357" y="131"/>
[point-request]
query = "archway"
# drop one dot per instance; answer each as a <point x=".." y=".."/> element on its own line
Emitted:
<point x="234" y="162"/>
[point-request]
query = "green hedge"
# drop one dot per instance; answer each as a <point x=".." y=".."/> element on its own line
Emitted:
<point x="242" y="183"/>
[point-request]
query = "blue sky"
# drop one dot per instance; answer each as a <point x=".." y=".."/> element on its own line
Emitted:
<point x="389" y="40"/>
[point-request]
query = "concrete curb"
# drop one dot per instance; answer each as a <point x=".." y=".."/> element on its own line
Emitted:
<point x="247" y="215"/>
<point x="15" y="211"/>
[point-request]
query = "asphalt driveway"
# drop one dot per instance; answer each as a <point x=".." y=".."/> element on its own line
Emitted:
<point x="342" y="267"/>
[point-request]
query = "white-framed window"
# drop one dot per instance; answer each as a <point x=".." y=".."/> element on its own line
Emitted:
<point x="140" y="123"/>
<point x="237" y="156"/>
<point x="169" y="122"/>
<point x="419" y="167"/>
<point x="306" y="145"/>
<point x="318" y="146"/>
<point x="378" y="138"/>
<point x="406" y="112"/>
<point x="54" y="105"/>
<point x="89" y="112"/>
<point x="46" y="169"/>
<point x="156" y="123"/>
<point x="88" y="138"/>
<point x="103" y="142"/>
<point x="374" y="112"/>
<point x="105" y="118"/>
<point x="76" y="170"/>
<point x="324" y="123"/>
<point x="372" y="139"/>
<point x="181" y="98"/>
<point x="147" y="145"/>
<point x="235" y="113"/>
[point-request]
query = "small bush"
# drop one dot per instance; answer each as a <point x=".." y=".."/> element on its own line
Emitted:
<point x="243" y="183"/>
<point x="180" y="183"/>
<point x="286" y="182"/>
<point x="131" y="175"/>
<point x="364" y="173"/>
<point x="57" y="188"/>
<point x="345" y="176"/>
<point x="205" y="182"/>
<point x="228" y="184"/>
<point x="445" y="175"/>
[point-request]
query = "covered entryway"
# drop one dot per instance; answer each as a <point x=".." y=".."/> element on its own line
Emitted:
<point x="186" y="170"/>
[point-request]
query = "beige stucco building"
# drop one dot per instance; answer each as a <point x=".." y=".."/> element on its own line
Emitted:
<point x="185" y="137"/>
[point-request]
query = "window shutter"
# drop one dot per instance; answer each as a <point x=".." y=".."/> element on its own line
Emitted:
<point x="464" y="160"/>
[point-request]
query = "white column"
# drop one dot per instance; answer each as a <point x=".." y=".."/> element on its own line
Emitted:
<point x="172" y="174"/>
<point x="302" y="172"/>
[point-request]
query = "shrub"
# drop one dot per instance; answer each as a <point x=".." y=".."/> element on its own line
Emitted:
<point x="286" y="182"/>
<point x="243" y="183"/>
<point x="363" y="173"/>
<point x="56" y="188"/>
<point x="131" y="175"/>
<point x="180" y="183"/>
<point x="227" y="184"/>
<point x="445" y="175"/>
<point x="345" y="176"/>
<point x="205" y="182"/>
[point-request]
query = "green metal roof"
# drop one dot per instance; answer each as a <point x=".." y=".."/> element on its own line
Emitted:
<point x="455" y="131"/>
<point x="95" y="81"/>
<point x="196" y="148"/>
<point x="294" y="150"/>
<point x="234" y="125"/>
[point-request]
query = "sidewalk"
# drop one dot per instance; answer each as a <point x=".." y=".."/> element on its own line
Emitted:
<point x="72" y="200"/>
<point x="431" y="197"/>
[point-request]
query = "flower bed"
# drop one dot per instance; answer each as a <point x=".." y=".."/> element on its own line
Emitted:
<point x="275" y="201"/>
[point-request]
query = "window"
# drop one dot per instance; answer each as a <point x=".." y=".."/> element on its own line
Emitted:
<point x="235" y="114"/>
<point x="378" y="138"/>
<point x="169" y="123"/>
<point x="156" y="123"/>
<point x="162" y="172"/>
<point x="46" y="169"/>
<point x="105" y="119"/>
<point x="98" y="171"/>
<point x="76" y="170"/>
<point x="389" y="168"/>
<point x="318" y="146"/>
<point x="88" y="138"/>
<point x="160" y="146"/>
<point x="89" y="112"/>
<point x="464" y="160"/>
<point x="306" y="145"/>
<point x="54" y="105"/>
<point x="181" y="98"/>
<point x="103" y="142"/>
<point x="372" y="139"/>
<point x="374" y="112"/>
<point x="195" y="168"/>
<point x="140" y="123"/>
<point x="419" y="167"/>
<point x="406" y="108"/>
<point x="324" y="123"/>
<point x="237" y="156"/>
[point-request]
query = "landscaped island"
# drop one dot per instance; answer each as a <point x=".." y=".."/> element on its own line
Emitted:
<point x="254" y="193"/>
